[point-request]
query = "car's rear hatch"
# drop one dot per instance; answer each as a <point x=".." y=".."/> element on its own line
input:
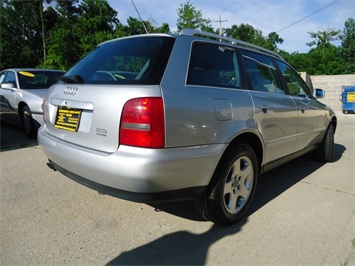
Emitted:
<point x="85" y="109"/>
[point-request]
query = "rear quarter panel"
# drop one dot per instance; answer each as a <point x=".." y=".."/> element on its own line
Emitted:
<point x="194" y="115"/>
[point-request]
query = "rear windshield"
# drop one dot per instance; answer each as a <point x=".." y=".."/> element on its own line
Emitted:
<point x="139" y="60"/>
<point x="38" y="79"/>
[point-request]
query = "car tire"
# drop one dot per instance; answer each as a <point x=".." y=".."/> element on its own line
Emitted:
<point x="324" y="152"/>
<point x="28" y="123"/>
<point x="232" y="188"/>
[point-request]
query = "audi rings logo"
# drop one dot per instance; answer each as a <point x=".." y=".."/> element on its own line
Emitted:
<point x="70" y="90"/>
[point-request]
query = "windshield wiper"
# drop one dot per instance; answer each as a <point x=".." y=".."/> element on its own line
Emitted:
<point x="74" y="79"/>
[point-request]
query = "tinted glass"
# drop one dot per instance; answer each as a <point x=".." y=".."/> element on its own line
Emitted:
<point x="295" y="83"/>
<point x="10" y="78"/>
<point x="38" y="79"/>
<point x="261" y="73"/>
<point x="2" y="76"/>
<point x="140" y="60"/>
<point x="213" y="65"/>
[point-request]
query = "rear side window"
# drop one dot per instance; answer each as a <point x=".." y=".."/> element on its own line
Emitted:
<point x="213" y="65"/>
<point x="261" y="73"/>
<point x="140" y="60"/>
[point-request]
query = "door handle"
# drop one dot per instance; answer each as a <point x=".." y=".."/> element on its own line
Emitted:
<point x="302" y="109"/>
<point x="265" y="108"/>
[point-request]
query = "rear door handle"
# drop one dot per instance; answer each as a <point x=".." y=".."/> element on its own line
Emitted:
<point x="265" y="108"/>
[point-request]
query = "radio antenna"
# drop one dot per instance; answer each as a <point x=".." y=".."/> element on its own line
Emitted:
<point x="146" y="31"/>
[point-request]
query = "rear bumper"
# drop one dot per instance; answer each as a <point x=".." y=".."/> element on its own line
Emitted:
<point x="136" y="174"/>
<point x="174" y="195"/>
<point x="38" y="118"/>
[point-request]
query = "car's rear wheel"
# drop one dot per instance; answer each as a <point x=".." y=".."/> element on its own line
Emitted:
<point x="325" y="150"/>
<point x="27" y="122"/>
<point x="232" y="187"/>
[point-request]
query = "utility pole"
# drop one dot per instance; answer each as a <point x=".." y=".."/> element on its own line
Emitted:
<point x="220" y="24"/>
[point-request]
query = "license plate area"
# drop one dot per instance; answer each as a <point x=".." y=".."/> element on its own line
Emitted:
<point x="68" y="118"/>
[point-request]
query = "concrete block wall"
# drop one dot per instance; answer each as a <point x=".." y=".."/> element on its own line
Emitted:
<point x="332" y="86"/>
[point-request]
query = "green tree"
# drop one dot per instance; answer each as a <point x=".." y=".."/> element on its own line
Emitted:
<point x="80" y="27"/>
<point x="96" y="23"/>
<point x="155" y="28"/>
<point x="23" y="36"/>
<point x="245" y="32"/>
<point x="63" y="43"/>
<point x="272" y="40"/>
<point x="317" y="61"/>
<point x="347" y="38"/>
<point x="323" y="38"/>
<point x="135" y="26"/>
<point x="190" y="18"/>
<point x="248" y="33"/>
<point x="164" y="28"/>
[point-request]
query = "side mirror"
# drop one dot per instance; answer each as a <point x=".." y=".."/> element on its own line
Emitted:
<point x="8" y="86"/>
<point x="320" y="93"/>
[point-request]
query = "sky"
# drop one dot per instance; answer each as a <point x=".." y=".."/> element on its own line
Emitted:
<point x="291" y="19"/>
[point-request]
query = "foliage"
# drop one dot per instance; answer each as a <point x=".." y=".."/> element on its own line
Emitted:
<point x="323" y="38"/>
<point x="190" y="18"/>
<point x="20" y="30"/>
<point x="348" y="45"/>
<point x="95" y="24"/>
<point x="247" y="33"/>
<point x="63" y="46"/>
<point x="326" y="58"/>
<point x="58" y="33"/>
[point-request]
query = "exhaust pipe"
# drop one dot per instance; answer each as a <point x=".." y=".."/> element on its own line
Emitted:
<point x="51" y="166"/>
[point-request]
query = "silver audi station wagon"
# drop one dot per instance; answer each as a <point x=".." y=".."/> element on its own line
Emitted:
<point x="188" y="116"/>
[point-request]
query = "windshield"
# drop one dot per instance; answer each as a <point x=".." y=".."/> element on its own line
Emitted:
<point x="38" y="79"/>
<point x="139" y="60"/>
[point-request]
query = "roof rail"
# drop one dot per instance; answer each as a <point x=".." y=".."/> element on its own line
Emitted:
<point x="203" y="34"/>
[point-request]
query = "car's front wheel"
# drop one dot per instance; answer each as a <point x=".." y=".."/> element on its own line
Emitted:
<point x="325" y="150"/>
<point x="232" y="187"/>
<point x="28" y="122"/>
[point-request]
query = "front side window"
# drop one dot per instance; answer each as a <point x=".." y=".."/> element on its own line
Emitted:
<point x="10" y="78"/>
<point x="2" y="76"/>
<point x="295" y="84"/>
<point x="213" y="65"/>
<point x="261" y="73"/>
<point x="140" y="60"/>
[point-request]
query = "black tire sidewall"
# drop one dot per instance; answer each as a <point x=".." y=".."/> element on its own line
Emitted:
<point x="325" y="151"/>
<point x="25" y="111"/>
<point x="219" y="212"/>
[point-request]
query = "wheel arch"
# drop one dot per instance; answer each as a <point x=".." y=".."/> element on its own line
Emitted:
<point x="253" y="141"/>
<point x="208" y="205"/>
<point x="334" y="123"/>
<point x="19" y="108"/>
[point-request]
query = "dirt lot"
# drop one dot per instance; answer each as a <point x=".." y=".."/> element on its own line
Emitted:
<point x="303" y="214"/>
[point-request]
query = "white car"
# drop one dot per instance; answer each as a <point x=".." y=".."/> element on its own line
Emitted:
<point x="21" y="96"/>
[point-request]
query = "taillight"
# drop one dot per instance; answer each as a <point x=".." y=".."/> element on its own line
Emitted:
<point x="142" y="123"/>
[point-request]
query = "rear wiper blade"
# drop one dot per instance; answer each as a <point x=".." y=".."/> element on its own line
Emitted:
<point x="74" y="79"/>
